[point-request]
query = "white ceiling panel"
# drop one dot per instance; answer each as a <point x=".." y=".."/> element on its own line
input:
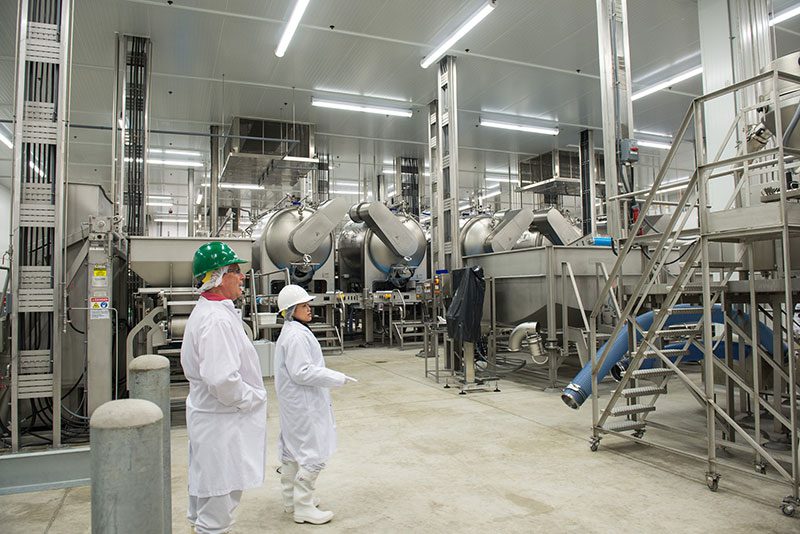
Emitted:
<point x="523" y="62"/>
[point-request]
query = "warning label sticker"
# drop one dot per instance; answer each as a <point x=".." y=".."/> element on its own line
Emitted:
<point x="99" y="276"/>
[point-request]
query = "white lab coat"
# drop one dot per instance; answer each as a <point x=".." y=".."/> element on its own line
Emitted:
<point x="226" y="410"/>
<point x="308" y="428"/>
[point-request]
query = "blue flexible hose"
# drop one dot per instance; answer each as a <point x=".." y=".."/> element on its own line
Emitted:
<point x="580" y="389"/>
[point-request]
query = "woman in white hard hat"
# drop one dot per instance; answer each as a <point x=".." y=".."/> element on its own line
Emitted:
<point x="226" y="410"/>
<point x="308" y="429"/>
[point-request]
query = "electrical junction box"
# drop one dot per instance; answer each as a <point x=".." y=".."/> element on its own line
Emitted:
<point x="628" y="150"/>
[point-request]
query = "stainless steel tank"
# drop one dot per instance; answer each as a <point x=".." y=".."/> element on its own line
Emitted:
<point x="272" y="248"/>
<point x="476" y="229"/>
<point x="474" y="232"/>
<point x="364" y="258"/>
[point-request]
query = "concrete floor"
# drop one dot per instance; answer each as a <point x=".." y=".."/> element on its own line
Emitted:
<point x="414" y="457"/>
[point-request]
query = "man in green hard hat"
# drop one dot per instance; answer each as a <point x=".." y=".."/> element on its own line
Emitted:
<point x="226" y="410"/>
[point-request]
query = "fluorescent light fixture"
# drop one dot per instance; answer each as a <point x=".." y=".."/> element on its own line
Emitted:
<point x="518" y="127"/>
<point x="493" y="186"/>
<point x="206" y="184"/>
<point x="388" y="162"/>
<point x="786" y="15"/>
<point x="173" y="152"/>
<point x="160" y="204"/>
<point x="6" y="140"/>
<point x="291" y="27"/>
<point x="655" y="144"/>
<point x="462" y="30"/>
<point x="426" y="174"/>
<point x="176" y="221"/>
<point x="301" y="159"/>
<point x="199" y="198"/>
<point x="159" y="197"/>
<point x="174" y="162"/>
<point x="500" y="179"/>
<point x="379" y="110"/>
<point x="343" y="192"/>
<point x="241" y="186"/>
<point x="490" y="195"/>
<point x="387" y="171"/>
<point x="463" y="206"/>
<point x="504" y="172"/>
<point x="668" y="83"/>
<point x="340" y="183"/>
<point x="654" y="134"/>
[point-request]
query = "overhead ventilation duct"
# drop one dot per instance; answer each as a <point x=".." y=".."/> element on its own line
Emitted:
<point x="255" y="148"/>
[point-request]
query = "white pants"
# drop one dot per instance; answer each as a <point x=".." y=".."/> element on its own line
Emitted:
<point x="213" y="515"/>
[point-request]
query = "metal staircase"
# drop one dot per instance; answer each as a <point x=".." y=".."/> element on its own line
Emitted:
<point x="701" y="286"/>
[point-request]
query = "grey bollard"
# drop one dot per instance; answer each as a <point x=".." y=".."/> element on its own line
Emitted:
<point x="149" y="376"/>
<point x="127" y="479"/>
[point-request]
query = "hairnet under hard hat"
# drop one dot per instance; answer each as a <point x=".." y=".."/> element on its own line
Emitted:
<point x="288" y="314"/>
<point x="213" y="279"/>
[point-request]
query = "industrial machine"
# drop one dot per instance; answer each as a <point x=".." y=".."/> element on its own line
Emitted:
<point x="168" y="297"/>
<point x="297" y="239"/>
<point x="380" y="250"/>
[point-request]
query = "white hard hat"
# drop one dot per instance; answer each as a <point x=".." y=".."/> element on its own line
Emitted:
<point x="292" y="295"/>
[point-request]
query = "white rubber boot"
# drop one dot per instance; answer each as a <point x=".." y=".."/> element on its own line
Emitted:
<point x="288" y="474"/>
<point x="304" y="509"/>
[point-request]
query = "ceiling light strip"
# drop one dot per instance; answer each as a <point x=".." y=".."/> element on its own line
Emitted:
<point x="453" y="38"/>
<point x="668" y="83"/>
<point x="291" y="27"/>
<point x="349" y="106"/>
<point x="518" y="127"/>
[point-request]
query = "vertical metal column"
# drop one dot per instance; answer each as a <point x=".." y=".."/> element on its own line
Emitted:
<point x="190" y="209"/>
<point x="615" y="92"/>
<point x="588" y="183"/>
<point x="214" y="186"/>
<point x="133" y="100"/>
<point x="41" y="113"/>
<point x="100" y="304"/>
<point x="407" y="183"/>
<point x="446" y="254"/>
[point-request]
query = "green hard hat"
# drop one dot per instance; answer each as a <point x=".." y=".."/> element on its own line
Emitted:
<point x="212" y="256"/>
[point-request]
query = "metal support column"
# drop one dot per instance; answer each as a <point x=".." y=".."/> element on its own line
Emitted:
<point x="615" y="92"/>
<point x="190" y="209"/>
<point x="588" y="183"/>
<point x="41" y="114"/>
<point x="99" y="306"/>
<point x="443" y="146"/>
<point x="214" y="186"/>
<point x="133" y="101"/>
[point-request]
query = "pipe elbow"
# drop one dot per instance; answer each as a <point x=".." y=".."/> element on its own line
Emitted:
<point x="522" y="331"/>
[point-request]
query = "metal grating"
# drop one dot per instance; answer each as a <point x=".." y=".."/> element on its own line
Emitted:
<point x="43" y="43"/>
<point x="38" y="215"/>
<point x="35" y="300"/>
<point x="33" y="193"/>
<point x="35" y="277"/>
<point x="33" y="362"/>
<point x="35" y="386"/>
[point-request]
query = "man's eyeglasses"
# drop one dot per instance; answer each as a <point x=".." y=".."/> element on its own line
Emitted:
<point x="234" y="269"/>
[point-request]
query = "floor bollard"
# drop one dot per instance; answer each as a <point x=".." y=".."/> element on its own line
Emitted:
<point x="126" y="438"/>
<point x="149" y="376"/>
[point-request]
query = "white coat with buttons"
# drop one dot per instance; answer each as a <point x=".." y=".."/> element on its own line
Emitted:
<point x="226" y="410"/>
<point x="308" y="427"/>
